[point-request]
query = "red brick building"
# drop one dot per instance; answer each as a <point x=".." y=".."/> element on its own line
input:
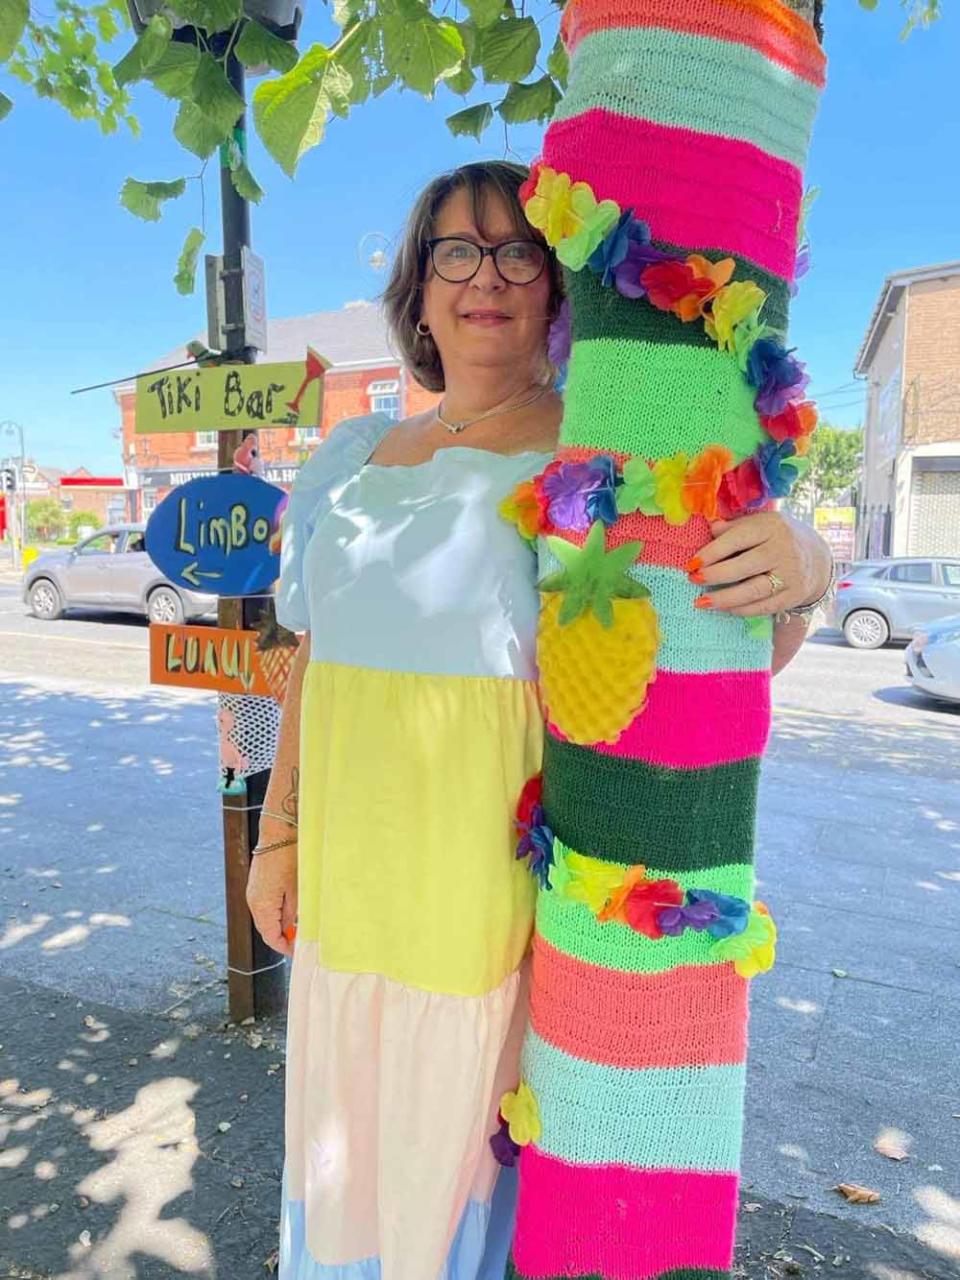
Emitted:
<point x="365" y="377"/>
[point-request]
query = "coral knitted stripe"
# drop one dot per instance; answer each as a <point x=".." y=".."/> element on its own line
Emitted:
<point x="652" y="399"/>
<point x="732" y="720"/>
<point x="695" y="189"/>
<point x="644" y="1117"/>
<point x="627" y="811"/>
<point x="769" y="28"/>
<point x="603" y="313"/>
<point x="584" y="1010"/>
<point x="617" y="1222"/>
<point x="712" y="86"/>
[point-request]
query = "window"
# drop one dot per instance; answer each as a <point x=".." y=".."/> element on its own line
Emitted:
<point x="149" y="499"/>
<point x="385" y="398"/>
<point x="308" y="435"/>
<point x="951" y="574"/>
<point x="921" y="572"/>
<point x="207" y="439"/>
<point x="104" y="544"/>
<point x="135" y="542"/>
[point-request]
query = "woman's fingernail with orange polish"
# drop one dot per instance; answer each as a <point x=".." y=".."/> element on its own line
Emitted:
<point x="693" y="565"/>
<point x="290" y="933"/>
<point x="703" y="602"/>
<point x="696" y="577"/>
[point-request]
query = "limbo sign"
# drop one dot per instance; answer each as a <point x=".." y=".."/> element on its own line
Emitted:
<point x="231" y="397"/>
<point x="219" y="534"/>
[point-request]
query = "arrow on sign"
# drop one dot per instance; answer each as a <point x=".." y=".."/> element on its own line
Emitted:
<point x="193" y="575"/>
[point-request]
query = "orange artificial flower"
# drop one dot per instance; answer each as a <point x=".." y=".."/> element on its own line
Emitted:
<point x="702" y="480"/>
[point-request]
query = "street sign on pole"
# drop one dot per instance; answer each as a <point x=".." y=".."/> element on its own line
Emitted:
<point x="254" y="300"/>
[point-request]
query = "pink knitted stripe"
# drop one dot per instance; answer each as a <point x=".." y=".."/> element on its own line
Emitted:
<point x="619" y="1222"/>
<point x="695" y="721"/>
<point x="584" y="1010"/>
<point x="694" y="189"/>
<point x="770" y="28"/>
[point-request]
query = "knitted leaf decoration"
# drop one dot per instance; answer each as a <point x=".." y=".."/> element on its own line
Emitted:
<point x="592" y="577"/>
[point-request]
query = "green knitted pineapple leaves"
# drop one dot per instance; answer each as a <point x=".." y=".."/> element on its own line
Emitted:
<point x="592" y="577"/>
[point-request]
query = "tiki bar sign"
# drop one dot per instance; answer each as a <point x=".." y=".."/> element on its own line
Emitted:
<point x="214" y="658"/>
<point x="219" y="535"/>
<point x="231" y="397"/>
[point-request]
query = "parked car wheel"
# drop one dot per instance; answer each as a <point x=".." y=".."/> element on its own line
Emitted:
<point x="164" y="605"/>
<point x="866" y="629"/>
<point x="45" y="601"/>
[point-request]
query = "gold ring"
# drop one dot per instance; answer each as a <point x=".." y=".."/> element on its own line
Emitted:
<point x="776" y="584"/>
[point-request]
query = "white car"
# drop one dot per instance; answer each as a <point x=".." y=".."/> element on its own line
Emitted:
<point x="933" y="659"/>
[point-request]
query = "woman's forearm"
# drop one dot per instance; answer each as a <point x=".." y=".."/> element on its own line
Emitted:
<point x="282" y="798"/>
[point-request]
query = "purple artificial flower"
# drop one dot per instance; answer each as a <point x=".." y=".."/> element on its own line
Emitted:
<point x="777" y="374"/>
<point x="613" y="249"/>
<point x="505" y="1150"/>
<point x="566" y="490"/>
<point x="801" y="267"/>
<point x="559" y="337"/>
<point x="693" y="915"/>
<point x="602" y="501"/>
<point x="626" y="276"/>
<point x="771" y="458"/>
<point x="732" y="914"/>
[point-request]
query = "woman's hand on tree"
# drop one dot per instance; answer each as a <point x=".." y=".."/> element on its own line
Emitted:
<point x="761" y="564"/>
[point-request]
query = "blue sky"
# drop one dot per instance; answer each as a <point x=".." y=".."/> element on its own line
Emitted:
<point x="87" y="288"/>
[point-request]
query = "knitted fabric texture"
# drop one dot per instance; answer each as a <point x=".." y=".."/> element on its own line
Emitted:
<point x="694" y="115"/>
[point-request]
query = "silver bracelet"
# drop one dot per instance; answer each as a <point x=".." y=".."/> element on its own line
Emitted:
<point x="280" y="817"/>
<point x="806" y="611"/>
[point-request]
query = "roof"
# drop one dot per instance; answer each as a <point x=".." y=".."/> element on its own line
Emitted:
<point x="888" y="302"/>
<point x="354" y="337"/>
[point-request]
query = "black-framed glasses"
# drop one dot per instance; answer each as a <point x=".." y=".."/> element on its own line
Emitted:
<point x="516" y="261"/>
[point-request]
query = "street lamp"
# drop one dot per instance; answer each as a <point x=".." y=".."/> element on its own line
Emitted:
<point x="11" y="428"/>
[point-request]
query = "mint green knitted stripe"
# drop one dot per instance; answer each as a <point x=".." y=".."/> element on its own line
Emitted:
<point x="693" y="82"/>
<point x="656" y="399"/>
<point x="644" y="1117"/>
<point x="695" y="641"/>
<point x="572" y="927"/>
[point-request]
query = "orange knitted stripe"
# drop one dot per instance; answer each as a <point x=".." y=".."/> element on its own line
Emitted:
<point x="766" y="25"/>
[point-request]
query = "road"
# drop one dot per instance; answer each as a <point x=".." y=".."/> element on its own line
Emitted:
<point x="111" y="881"/>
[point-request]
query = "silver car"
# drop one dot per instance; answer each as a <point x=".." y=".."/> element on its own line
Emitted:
<point x="109" y="570"/>
<point x="881" y="600"/>
<point x="933" y="660"/>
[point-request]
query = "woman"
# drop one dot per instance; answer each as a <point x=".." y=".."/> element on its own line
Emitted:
<point x="414" y="720"/>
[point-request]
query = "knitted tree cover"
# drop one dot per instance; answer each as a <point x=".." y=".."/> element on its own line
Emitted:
<point x="670" y="186"/>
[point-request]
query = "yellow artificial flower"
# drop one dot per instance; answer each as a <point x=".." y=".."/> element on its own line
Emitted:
<point x="522" y="1115"/>
<point x="734" y="303"/>
<point x="669" y="475"/>
<point x="551" y="207"/>
<point x="614" y="910"/>
<point x="591" y="880"/>
<point x="596" y="220"/>
<point x="522" y="509"/>
<point x="754" y="950"/>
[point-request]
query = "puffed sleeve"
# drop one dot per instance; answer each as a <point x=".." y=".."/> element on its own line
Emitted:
<point x="318" y="482"/>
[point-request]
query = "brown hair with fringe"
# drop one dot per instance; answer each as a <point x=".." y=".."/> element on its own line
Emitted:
<point x="403" y="296"/>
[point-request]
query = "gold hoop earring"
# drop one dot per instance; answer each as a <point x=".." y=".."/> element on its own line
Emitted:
<point x="422" y="329"/>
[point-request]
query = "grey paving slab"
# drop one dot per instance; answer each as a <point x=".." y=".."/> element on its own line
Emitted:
<point x="787" y="1010"/>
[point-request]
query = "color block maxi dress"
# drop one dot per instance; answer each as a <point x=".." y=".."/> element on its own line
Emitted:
<point x="419" y="726"/>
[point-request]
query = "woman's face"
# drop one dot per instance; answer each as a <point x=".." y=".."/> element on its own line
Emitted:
<point x="485" y="321"/>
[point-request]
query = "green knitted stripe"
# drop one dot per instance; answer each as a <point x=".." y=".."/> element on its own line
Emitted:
<point x="695" y="641"/>
<point x="677" y="1273"/>
<point x="693" y="82"/>
<point x="628" y="811"/>
<point x="655" y="400"/>
<point x="601" y="312"/>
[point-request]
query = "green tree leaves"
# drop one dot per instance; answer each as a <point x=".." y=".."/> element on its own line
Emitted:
<point x="145" y="199"/>
<point x="472" y="121"/>
<point x="291" y="112"/>
<point x="525" y="102"/>
<point x="508" y="51"/>
<point x="420" y="49"/>
<point x="150" y="47"/>
<point x="13" y="20"/>
<point x="258" y="47"/>
<point x="834" y="456"/>
<point x="186" y="273"/>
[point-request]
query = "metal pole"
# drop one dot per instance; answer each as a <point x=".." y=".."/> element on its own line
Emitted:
<point x="264" y="993"/>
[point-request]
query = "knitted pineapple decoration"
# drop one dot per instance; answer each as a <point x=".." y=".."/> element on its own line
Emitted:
<point x="670" y="187"/>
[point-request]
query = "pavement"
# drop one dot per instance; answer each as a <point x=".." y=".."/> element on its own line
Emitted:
<point x="141" y="1131"/>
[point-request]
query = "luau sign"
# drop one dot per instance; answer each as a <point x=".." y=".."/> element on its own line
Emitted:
<point x="231" y="397"/>
<point x="219" y="534"/>
<point x="214" y="658"/>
